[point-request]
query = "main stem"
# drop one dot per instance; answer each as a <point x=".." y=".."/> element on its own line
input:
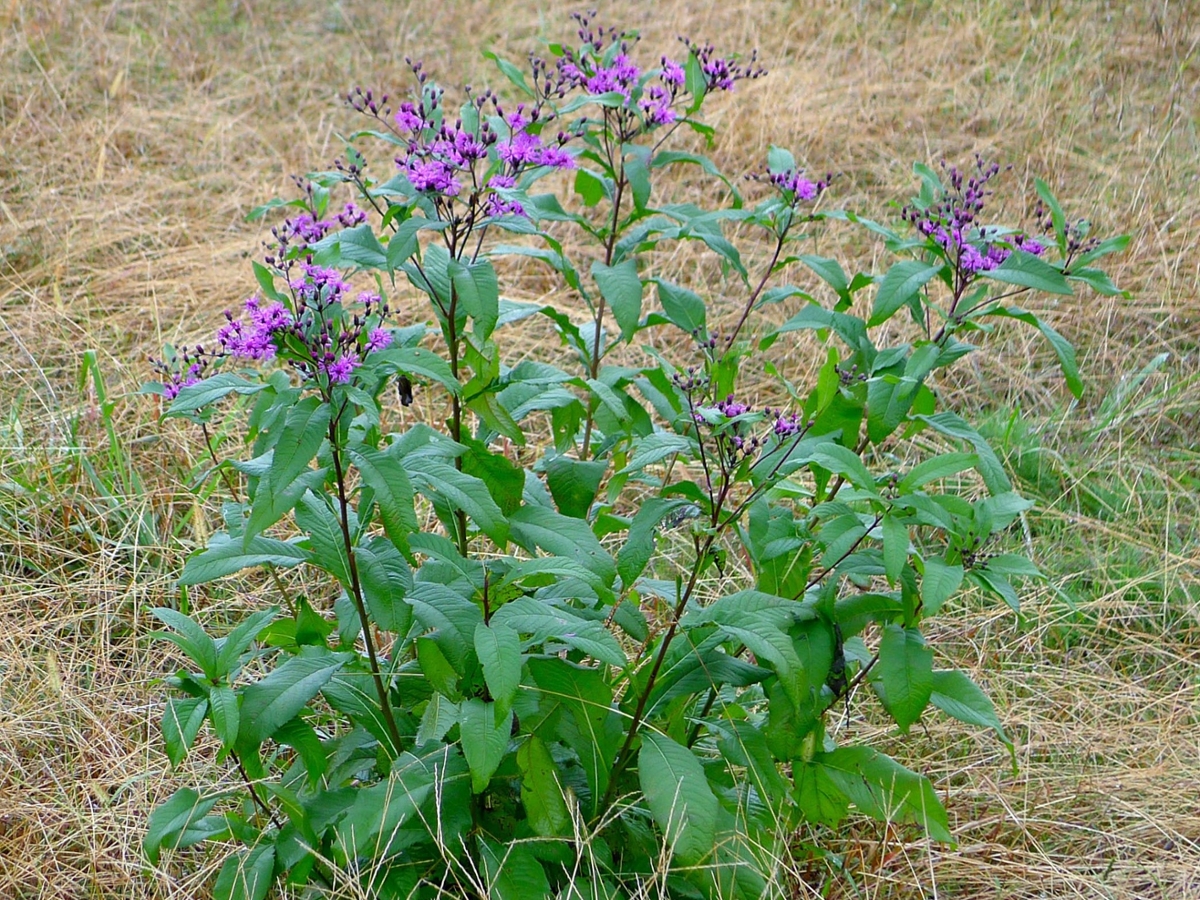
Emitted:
<point x="460" y="517"/>
<point x="356" y="590"/>
<point x="609" y="248"/>
<point x="625" y="754"/>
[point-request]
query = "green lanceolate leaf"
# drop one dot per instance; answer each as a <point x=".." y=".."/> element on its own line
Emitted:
<point x="181" y="722"/>
<point x="231" y="647"/>
<point x="593" y="729"/>
<point x="485" y="732"/>
<point x="541" y="791"/>
<point x="373" y="825"/>
<point x="955" y="694"/>
<point x="226" y="555"/>
<point x="901" y="283"/>
<point x="938" y="584"/>
<point x="386" y="581"/>
<point x="683" y="308"/>
<point x="170" y="823"/>
<point x="656" y="447"/>
<point x="621" y="288"/>
<point x="189" y="637"/>
<point x="247" y="875"/>
<point x="904" y="675"/>
<point x="393" y="492"/>
<point x="895" y="546"/>
<point x="459" y="491"/>
<point x="512" y="872"/>
<point x="574" y="484"/>
<point x="194" y="397"/>
<point x="535" y="527"/>
<point x="882" y="788"/>
<point x="223" y="710"/>
<point x="417" y="362"/>
<point x="304" y="430"/>
<point x="1061" y="346"/>
<point x="543" y="623"/>
<point x="499" y="650"/>
<point x="935" y="469"/>
<point x="276" y="699"/>
<point x="679" y="797"/>
<point x="1026" y="270"/>
<point x="636" y="552"/>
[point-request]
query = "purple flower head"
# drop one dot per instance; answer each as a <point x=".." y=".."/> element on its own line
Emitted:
<point x="721" y="73"/>
<point x="730" y="407"/>
<point x="517" y="120"/>
<point x="497" y="206"/>
<point x="431" y="176"/>
<point x="339" y="369"/>
<point x="253" y="337"/>
<point x="306" y="228"/>
<point x="556" y="158"/>
<point x="378" y="339"/>
<point x="1030" y="245"/>
<point x="521" y="149"/>
<point x="502" y="181"/>
<point x="786" y="426"/>
<point x="408" y="119"/>
<point x="794" y="185"/>
<point x="351" y="215"/>
<point x="656" y="105"/>
<point x="672" y="73"/>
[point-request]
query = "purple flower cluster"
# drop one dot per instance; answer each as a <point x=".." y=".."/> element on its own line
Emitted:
<point x="297" y="233"/>
<point x="721" y="73"/>
<point x="795" y="186"/>
<point x="953" y="223"/>
<point x="603" y="65"/>
<point x="456" y="162"/>
<point x="253" y="337"/>
<point x="320" y="340"/>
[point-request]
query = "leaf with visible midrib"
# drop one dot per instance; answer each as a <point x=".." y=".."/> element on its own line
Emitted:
<point x="274" y="701"/>
<point x="679" y="796"/>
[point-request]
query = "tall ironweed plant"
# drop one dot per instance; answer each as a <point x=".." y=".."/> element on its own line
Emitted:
<point x="606" y="665"/>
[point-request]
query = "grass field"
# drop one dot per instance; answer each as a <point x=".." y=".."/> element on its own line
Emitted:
<point x="136" y="136"/>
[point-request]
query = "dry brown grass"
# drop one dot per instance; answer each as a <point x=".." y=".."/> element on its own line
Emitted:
<point x="136" y="135"/>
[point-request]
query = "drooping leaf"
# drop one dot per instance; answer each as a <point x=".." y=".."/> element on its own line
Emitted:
<point x="955" y="694"/>
<point x="1026" y="270"/>
<point x="169" y="822"/>
<point x="902" y="282"/>
<point x="541" y="790"/>
<point x="247" y="874"/>
<point x="938" y="584"/>
<point x="190" y="637"/>
<point x="499" y="650"/>
<point x="904" y="673"/>
<point x="574" y="483"/>
<point x="679" y="797"/>
<point x="621" y="287"/>
<point x="485" y="733"/>
<point x="393" y="492"/>
<point x="882" y="788"/>
<point x="535" y="527"/>
<point x="1061" y="346"/>
<point x="182" y="718"/>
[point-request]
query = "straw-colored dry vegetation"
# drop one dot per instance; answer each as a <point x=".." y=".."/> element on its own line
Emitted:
<point x="136" y="137"/>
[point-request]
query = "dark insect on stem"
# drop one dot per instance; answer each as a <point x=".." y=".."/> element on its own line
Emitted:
<point x="404" y="390"/>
